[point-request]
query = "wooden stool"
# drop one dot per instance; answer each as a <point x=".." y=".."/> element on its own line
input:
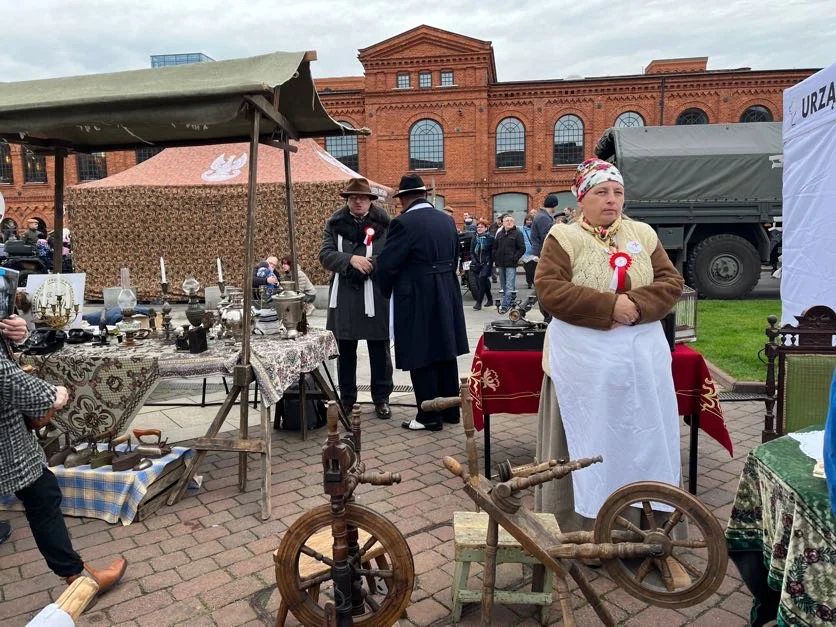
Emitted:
<point x="310" y="568"/>
<point x="469" y="533"/>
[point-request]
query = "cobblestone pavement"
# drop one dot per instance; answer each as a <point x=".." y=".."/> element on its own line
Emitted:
<point x="208" y="559"/>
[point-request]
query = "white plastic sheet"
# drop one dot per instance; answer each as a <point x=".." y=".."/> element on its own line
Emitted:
<point x="809" y="189"/>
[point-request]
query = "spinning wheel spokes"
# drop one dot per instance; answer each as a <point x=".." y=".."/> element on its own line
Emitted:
<point x="672" y="580"/>
<point x="383" y="562"/>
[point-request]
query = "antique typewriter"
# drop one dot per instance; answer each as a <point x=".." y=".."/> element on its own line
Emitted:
<point x="514" y="332"/>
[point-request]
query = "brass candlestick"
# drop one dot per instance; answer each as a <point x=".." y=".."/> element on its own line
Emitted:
<point x="57" y="315"/>
<point x="166" y="309"/>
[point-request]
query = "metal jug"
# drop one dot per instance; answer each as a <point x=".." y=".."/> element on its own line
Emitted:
<point x="289" y="306"/>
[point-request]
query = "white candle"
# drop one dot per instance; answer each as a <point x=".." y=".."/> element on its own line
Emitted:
<point x="162" y="271"/>
<point x="220" y="272"/>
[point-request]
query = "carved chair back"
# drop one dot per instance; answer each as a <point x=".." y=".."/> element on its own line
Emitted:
<point x="800" y="364"/>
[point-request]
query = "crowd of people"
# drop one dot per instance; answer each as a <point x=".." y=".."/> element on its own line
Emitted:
<point x="603" y="282"/>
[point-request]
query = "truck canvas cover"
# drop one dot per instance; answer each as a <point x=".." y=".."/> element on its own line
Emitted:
<point x="698" y="163"/>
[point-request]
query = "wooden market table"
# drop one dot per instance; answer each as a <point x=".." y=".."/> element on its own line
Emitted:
<point x="508" y="382"/>
<point x="109" y="384"/>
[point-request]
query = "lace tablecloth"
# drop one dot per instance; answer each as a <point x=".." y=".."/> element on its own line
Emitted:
<point x="109" y="384"/>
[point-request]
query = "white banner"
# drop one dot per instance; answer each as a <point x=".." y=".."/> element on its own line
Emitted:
<point x="809" y="191"/>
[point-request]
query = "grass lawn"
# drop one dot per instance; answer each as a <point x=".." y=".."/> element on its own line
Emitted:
<point x="730" y="333"/>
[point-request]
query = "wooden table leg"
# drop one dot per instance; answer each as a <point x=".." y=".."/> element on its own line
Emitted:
<point x="303" y="405"/>
<point x="266" y="466"/>
<point x="487" y="436"/>
<point x="693" y="453"/>
<point x="243" y="432"/>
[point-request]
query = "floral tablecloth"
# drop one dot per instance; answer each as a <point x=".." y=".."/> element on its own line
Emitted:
<point x="109" y="384"/>
<point x="782" y="535"/>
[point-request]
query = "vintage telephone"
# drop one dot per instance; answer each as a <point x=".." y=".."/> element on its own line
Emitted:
<point x="79" y="336"/>
<point x="44" y="341"/>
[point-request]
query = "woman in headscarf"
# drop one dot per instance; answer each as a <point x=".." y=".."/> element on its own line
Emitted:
<point x="608" y="389"/>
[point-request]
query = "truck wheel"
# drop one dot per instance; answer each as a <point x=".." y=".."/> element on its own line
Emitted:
<point x="724" y="266"/>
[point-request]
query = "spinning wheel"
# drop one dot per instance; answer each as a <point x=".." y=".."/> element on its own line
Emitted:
<point x="698" y="563"/>
<point x="384" y="587"/>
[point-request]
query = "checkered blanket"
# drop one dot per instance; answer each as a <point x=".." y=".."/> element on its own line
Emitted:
<point x="102" y="493"/>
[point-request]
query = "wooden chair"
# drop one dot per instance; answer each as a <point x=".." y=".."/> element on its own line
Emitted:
<point x="799" y="369"/>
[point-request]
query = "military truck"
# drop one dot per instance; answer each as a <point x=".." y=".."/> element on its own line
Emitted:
<point x="712" y="192"/>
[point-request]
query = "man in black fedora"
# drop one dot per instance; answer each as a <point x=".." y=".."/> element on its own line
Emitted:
<point x="357" y="310"/>
<point x="417" y="268"/>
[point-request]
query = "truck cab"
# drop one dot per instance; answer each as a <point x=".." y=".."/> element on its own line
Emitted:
<point x="712" y="192"/>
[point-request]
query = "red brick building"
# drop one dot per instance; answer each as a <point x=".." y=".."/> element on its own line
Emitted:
<point x="434" y="104"/>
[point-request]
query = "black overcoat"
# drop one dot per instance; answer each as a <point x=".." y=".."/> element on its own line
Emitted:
<point x="348" y="321"/>
<point x="417" y="268"/>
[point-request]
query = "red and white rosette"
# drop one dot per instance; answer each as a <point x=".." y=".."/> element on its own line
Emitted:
<point x="619" y="262"/>
<point x="369" y="235"/>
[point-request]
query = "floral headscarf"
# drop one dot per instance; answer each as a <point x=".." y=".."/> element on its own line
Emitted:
<point x="593" y="172"/>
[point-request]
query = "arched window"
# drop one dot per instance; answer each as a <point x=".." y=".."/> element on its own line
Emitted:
<point x="510" y="143"/>
<point x="344" y="148"/>
<point x="6" y="164"/>
<point x="511" y="203"/>
<point x="756" y="113"/>
<point x="629" y="118"/>
<point x="568" y="140"/>
<point x="426" y="146"/>
<point x="692" y="116"/>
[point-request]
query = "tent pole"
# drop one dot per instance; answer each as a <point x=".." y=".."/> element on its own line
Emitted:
<point x="58" y="213"/>
<point x="291" y="219"/>
<point x="247" y="285"/>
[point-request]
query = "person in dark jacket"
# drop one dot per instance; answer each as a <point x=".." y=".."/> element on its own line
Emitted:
<point x="543" y="222"/>
<point x="267" y="274"/>
<point x="481" y="261"/>
<point x="508" y="247"/>
<point x="357" y="309"/>
<point x="417" y="268"/>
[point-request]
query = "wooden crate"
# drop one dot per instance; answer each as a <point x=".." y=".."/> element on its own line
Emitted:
<point x="159" y="491"/>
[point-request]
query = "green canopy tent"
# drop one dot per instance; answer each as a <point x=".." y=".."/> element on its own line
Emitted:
<point x="266" y="99"/>
<point x="270" y="98"/>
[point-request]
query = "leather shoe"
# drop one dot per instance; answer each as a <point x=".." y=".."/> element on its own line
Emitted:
<point x="477" y="306"/>
<point x="414" y="425"/>
<point x="5" y="531"/>
<point x="107" y="577"/>
<point x="382" y="410"/>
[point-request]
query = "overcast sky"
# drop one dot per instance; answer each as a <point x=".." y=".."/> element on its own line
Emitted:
<point x="531" y="39"/>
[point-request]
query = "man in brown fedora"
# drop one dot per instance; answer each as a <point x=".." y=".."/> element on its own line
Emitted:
<point x="357" y="310"/>
<point x="418" y="269"/>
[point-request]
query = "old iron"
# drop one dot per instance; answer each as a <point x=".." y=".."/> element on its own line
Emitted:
<point x="127" y="459"/>
<point x="143" y="465"/>
<point x="154" y="448"/>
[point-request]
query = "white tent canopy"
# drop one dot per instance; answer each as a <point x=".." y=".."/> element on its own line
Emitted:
<point x="809" y="237"/>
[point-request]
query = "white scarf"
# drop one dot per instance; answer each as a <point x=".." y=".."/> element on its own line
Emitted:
<point x="368" y="289"/>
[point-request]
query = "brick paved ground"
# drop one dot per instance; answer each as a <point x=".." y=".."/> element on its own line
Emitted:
<point x="207" y="560"/>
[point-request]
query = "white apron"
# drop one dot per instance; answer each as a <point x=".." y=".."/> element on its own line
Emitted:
<point x="616" y="397"/>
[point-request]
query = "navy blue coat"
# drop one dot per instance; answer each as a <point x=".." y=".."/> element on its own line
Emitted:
<point x="417" y="268"/>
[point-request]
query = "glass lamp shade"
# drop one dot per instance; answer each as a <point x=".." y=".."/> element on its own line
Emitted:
<point x="126" y="299"/>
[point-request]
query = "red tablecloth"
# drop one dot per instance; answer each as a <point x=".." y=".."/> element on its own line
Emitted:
<point x="508" y="382"/>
